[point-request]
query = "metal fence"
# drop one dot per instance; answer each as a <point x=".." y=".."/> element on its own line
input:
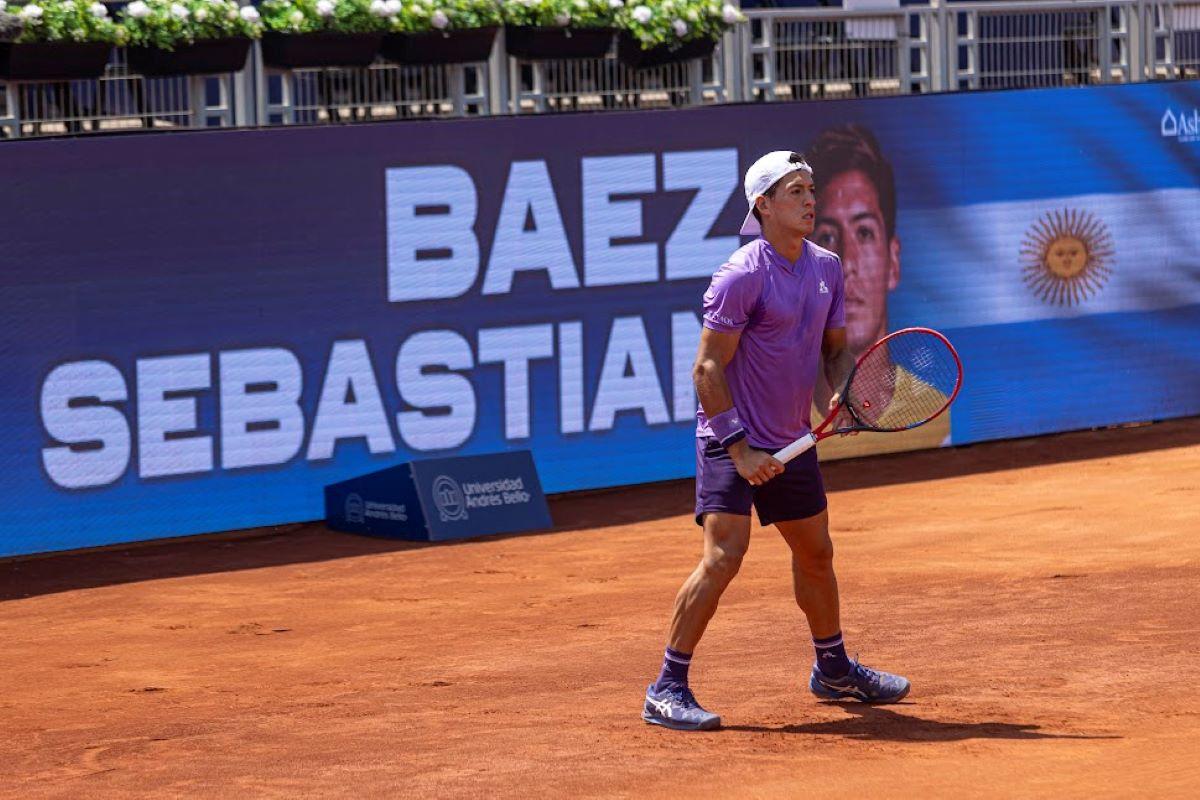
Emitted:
<point x="1173" y="40"/>
<point x="599" y="84"/>
<point x="802" y="54"/>
<point x="781" y="55"/>
<point x="120" y="100"/>
<point x="998" y="46"/>
<point x="381" y="91"/>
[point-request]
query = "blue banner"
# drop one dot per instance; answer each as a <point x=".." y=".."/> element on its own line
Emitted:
<point x="203" y="330"/>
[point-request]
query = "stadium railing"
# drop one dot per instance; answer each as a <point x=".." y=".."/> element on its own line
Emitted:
<point x="819" y="53"/>
<point x="1083" y="42"/>
<point x="119" y="100"/>
<point x="782" y="54"/>
<point x="1171" y="33"/>
<point x="381" y="91"/>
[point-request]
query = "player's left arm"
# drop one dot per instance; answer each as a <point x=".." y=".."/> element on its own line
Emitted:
<point x="837" y="361"/>
<point x="835" y="353"/>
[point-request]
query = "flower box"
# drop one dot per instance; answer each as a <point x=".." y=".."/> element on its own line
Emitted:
<point x="205" y="57"/>
<point x="453" y="46"/>
<point x="540" y="43"/>
<point x="53" y="61"/>
<point x="631" y="54"/>
<point x="297" y="51"/>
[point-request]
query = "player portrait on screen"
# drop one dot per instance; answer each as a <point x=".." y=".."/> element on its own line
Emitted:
<point x="856" y="218"/>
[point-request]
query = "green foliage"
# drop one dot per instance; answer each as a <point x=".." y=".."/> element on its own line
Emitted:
<point x="167" y="24"/>
<point x="340" y="16"/>
<point x="418" y="16"/>
<point x="653" y="22"/>
<point x="64" y="21"/>
<point x="666" y="22"/>
<point x="563" y="13"/>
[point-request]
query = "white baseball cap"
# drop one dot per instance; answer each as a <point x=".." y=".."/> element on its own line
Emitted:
<point x="762" y="175"/>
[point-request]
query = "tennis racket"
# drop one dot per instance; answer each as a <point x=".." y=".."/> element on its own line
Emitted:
<point x="902" y="381"/>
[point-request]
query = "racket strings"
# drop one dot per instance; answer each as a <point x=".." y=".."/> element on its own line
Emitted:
<point x="904" y="382"/>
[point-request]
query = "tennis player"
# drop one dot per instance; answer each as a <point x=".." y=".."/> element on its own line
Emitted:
<point x="773" y="315"/>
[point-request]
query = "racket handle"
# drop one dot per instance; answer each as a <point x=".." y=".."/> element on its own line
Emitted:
<point x="803" y="444"/>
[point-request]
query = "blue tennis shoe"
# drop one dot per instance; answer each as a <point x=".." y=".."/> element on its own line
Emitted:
<point x="860" y="683"/>
<point x="676" y="708"/>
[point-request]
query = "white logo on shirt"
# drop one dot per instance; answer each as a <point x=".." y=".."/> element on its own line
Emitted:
<point x="823" y="288"/>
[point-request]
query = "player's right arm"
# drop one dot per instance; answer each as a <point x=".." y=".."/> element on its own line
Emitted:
<point x="708" y="375"/>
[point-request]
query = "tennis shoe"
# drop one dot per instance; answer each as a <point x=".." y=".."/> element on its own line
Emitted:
<point x="676" y="708"/>
<point x="860" y="683"/>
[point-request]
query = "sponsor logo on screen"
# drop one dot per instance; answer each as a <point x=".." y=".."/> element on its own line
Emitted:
<point x="1066" y="256"/>
<point x="1184" y="126"/>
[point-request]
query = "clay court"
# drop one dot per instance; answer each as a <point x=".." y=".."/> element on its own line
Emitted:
<point x="1041" y="595"/>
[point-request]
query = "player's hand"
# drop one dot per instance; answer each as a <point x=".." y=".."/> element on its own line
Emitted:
<point x="756" y="466"/>
<point x="843" y="418"/>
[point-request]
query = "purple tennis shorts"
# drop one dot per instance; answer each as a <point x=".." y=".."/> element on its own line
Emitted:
<point x="796" y="494"/>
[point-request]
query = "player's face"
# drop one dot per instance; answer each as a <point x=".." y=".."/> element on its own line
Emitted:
<point x="791" y="210"/>
<point x="850" y="223"/>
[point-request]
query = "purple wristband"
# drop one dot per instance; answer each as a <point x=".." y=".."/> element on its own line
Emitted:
<point x="727" y="427"/>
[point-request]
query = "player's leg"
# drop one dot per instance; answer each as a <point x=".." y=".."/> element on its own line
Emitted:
<point x="726" y="539"/>
<point x="723" y="502"/>
<point x="669" y="700"/>
<point x="813" y="579"/>
<point x="795" y="503"/>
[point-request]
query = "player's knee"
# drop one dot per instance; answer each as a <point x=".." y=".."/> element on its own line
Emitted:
<point x="723" y="567"/>
<point x="723" y="563"/>
<point x="817" y="558"/>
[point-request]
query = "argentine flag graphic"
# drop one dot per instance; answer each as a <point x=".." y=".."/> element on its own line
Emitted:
<point x="1061" y="257"/>
<point x="1058" y="244"/>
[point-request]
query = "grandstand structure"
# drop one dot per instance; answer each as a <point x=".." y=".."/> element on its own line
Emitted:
<point x="784" y="53"/>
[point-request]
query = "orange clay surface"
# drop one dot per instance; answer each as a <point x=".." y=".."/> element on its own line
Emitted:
<point x="1043" y="596"/>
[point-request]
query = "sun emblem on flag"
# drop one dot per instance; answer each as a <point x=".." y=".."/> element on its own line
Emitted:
<point x="1065" y="256"/>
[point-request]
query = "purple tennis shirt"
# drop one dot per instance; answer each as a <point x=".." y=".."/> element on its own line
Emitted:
<point x="782" y="310"/>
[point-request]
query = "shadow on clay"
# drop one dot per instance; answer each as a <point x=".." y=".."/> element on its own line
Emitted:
<point x="875" y="723"/>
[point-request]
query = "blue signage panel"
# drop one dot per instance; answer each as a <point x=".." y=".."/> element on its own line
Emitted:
<point x="498" y="493"/>
<point x="381" y="503"/>
<point x="442" y="498"/>
<point x="204" y="330"/>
